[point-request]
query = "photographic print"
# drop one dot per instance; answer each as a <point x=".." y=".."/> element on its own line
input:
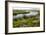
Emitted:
<point x="24" y="17"/>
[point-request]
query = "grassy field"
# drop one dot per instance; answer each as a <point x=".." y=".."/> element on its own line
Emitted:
<point x="25" y="21"/>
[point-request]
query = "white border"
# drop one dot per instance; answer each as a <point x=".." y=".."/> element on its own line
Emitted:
<point x="10" y="17"/>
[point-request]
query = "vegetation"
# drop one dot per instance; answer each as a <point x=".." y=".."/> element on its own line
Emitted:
<point x="25" y="21"/>
<point x="20" y="12"/>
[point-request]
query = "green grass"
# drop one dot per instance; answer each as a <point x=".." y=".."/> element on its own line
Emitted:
<point x="30" y="22"/>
